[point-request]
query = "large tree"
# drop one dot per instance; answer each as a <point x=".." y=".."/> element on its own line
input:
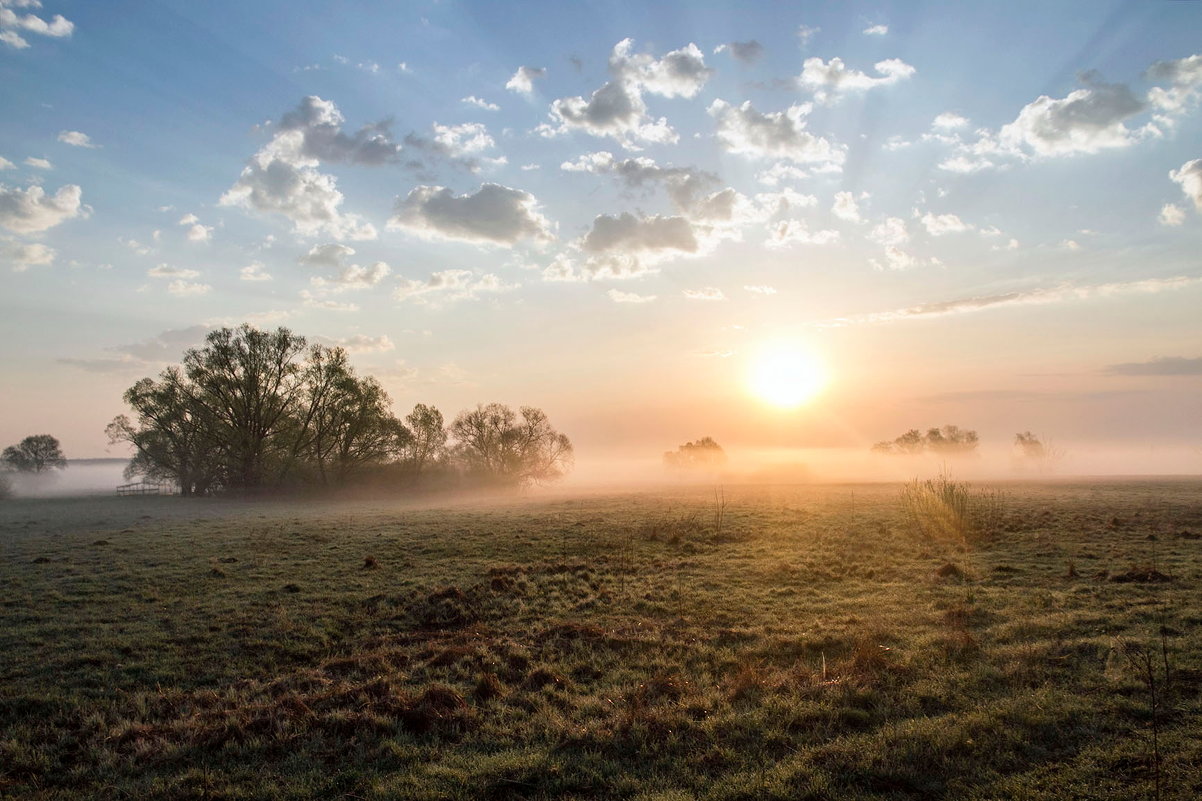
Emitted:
<point x="427" y="444"/>
<point x="35" y="454"/>
<point x="496" y="446"/>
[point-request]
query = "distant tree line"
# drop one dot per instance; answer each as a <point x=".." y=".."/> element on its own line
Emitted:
<point x="253" y="410"/>
<point x="704" y="454"/>
<point x="946" y="441"/>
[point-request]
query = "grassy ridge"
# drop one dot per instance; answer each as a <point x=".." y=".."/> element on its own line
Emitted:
<point x="613" y="646"/>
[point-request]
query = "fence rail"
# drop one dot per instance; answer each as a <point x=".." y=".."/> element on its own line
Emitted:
<point x="147" y="488"/>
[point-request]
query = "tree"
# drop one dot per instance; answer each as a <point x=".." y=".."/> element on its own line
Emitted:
<point x="947" y="441"/>
<point x="705" y="453"/>
<point x="35" y="454"/>
<point x="497" y="447"/>
<point x="427" y="444"/>
<point x="1039" y="454"/>
<point x="171" y="438"/>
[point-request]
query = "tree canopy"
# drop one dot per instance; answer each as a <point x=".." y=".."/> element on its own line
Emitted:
<point x="252" y="410"/>
<point x="705" y="453"/>
<point x="35" y="454"/>
<point x="949" y="440"/>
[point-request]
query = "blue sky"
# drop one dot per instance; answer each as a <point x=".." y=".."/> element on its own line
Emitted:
<point x="986" y="214"/>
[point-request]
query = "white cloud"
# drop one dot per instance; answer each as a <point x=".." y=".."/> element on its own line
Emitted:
<point x="328" y="255"/>
<point x="828" y="79"/>
<point x="941" y="224"/>
<point x="618" y="296"/>
<point x="782" y="134"/>
<point x="458" y="141"/>
<point x="748" y="52"/>
<point x="1171" y="214"/>
<point x="76" y="139"/>
<point x="706" y="293"/>
<point x="182" y="288"/>
<point x="11" y="22"/>
<point x="196" y="231"/>
<point x="361" y="343"/>
<point x="41" y="164"/>
<point x="779" y="173"/>
<point x="1189" y="176"/>
<point x="891" y="232"/>
<point x="1070" y="244"/>
<point x="787" y="233"/>
<point x="448" y="286"/>
<point x="494" y="214"/>
<point x="846" y="208"/>
<point x="21" y="256"/>
<point x="626" y="232"/>
<point x="1084" y="121"/>
<point x="1185" y="83"/>
<point x="522" y="81"/>
<point x="255" y="271"/>
<point x="618" y="110"/>
<point x="29" y="211"/>
<point x="167" y="271"/>
<point x="282" y="177"/>
<point x="761" y="289"/>
<point x="472" y="100"/>
<point x="5" y="164"/>
<point x="948" y="121"/>
<point x="315" y="302"/>
<point x="352" y="276"/>
<point x="876" y="30"/>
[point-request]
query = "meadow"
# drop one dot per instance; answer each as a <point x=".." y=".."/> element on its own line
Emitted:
<point x="764" y="642"/>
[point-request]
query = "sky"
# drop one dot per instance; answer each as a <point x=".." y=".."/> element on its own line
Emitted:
<point x="984" y="214"/>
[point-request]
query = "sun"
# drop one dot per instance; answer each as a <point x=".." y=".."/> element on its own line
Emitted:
<point x="786" y="375"/>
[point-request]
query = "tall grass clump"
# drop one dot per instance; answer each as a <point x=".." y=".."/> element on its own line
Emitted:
<point x="948" y="512"/>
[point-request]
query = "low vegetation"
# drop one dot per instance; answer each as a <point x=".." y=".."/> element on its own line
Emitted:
<point x="749" y="643"/>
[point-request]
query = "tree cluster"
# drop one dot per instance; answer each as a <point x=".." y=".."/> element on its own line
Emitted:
<point x="34" y="454"/>
<point x="704" y="454"/>
<point x="946" y="441"/>
<point x="255" y="410"/>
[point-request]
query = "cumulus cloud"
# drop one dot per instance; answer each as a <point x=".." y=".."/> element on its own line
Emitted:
<point x="12" y="24"/>
<point x="196" y="231"/>
<point x="31" y="210"/>
<point x="627" y="246"/>
<point x="748" y="52"/>
<point x="494" y="214"/>
<point x="37" y="163"/>
<point x="1084" y="121"/>
<point x="948" y="121"/>
<point x="462" y="144"/>
<point x="313" y="301"/>
<point x="618" y="110"/>
<point x="618" y="296"/>
<point x="1189" y="176"/>
<point x="76" y="139"/>
<point x="255" y="271"/>
<point x="5" y="164"/>
<point x="705" y="293"/>
<point x="781" y="134"/>
<point x="328" y="255"/>
<point x="892" y="231"/>
<point x="522" y="81"/>
<point x="182" y="288"/>
<point x="827" y="80"/>
<point x="941" y="224"/>
<point x="472" y="100"/>
<point x="780" y="173"/>
<point x="805" y="33"/>
<point x="760" y="289"/>
<point x="1185" y="83"/>
<point x="352" y="276"/>
<point x="21" y="256"/>
<point x="787" y="233"/>
<point x="282" y="178"/>
<point x="846" y="208"/>
<point x="1171" y="214"/>
<point x="447" y="286"/>
<point x="876" y="30"/>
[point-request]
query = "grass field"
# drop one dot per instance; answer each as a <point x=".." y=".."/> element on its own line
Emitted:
<point x="761" y="643"/>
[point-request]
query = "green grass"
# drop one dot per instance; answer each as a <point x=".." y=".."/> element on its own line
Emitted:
<point x="602" y="647"/>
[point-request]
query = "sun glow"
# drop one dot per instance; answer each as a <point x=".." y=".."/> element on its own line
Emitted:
<point x="786" y="375"/>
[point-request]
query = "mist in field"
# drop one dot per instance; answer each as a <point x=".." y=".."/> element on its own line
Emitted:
<point x="79" y="477"/>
